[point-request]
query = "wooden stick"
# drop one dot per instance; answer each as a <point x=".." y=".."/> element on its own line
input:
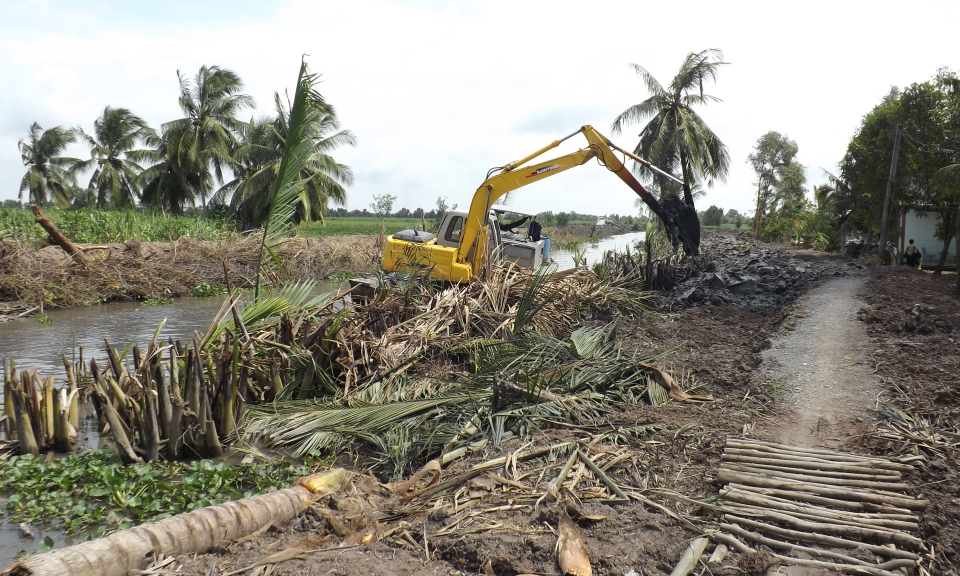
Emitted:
<point x="812" y="477"/>
<point x="824" y="501"/>
<point x="688" y="561"/>
<point x="822" y="538"/>
<point x="758" y="501"/>
<point x="719" y="553"/>
<point x="760" y="539"/>
<point x="731" y="541"/>
<point x="824" y="466"/>
<point x="843" y="569"/>
<point x="804" y="453"/>
<point x="875" y="535"/>
<point x="857" y="563"/>
<point x="784" y="447"/>
<point x="873" y="497"/>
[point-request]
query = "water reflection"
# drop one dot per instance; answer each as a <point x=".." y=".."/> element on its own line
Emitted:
<point x="564" y="258"/>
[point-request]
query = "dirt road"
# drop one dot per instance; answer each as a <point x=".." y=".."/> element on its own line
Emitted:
<point x="821" y="367"/>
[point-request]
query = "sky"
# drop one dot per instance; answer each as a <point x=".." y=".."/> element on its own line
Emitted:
<point x="438" y="92"/>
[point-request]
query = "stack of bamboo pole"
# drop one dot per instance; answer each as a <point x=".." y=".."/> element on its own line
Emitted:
<point x="842" y="510"/>
<point x="37" y="414"/>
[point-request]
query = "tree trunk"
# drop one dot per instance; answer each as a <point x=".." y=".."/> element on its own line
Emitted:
<point x="57" y="236"/>
<point x="948" y="232"/>
<point x="956" y="255"/>
<point x="193" y="532"/>
<point x="687" y="194"/>
<point x="758" y="212"/>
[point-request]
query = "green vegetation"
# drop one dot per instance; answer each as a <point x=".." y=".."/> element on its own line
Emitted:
<point x="853" y="200"/>
<point x="337" y="226"/>
<point x="101" y="226"/>
<point x="156" y="301"/>
<point x="208" y="156"/>
<point x="206" y="289"/>
<point x="94" y="489"/>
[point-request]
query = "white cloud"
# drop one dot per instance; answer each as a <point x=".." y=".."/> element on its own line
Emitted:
<point x="438" y="92"/>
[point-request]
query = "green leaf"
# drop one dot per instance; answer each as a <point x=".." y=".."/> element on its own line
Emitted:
<point x="45" y="545"/>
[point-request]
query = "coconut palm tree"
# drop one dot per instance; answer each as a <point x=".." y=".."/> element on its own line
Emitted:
<point x="258" y="157"/>
<point x="168" y="185"/>
<point x="49" y="175"/>
<point x="113" y="158"/>
<point x="203" y="139"/>
<point x="676" y="137"/>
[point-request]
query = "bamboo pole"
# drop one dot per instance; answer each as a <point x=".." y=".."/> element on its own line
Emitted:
<point x="856" y="562"/>
<point x="811" y="477"/>
<point x="124" y="448"/>
<point x="873" y="497"/>
<point x="821" y="538"/>
<point x="114" y="359"/>
<point x="189" y="533"/>
<point x="688" y="561"/>
<point x="48" y="411"/>
<point x="32" y="387"/>
<point x="61" y="422"/>
<point x="791" y="452"/>
<point x="8" y="408"/>
<point x="228" y="416"/>
<point x="214" y="450"/>
<point x="894" y="521"/>
<point x="758" y="511"/>
<point x="151" y="436"/>
<point x="870" y="534"/>
<point x="811" y="464"/>
<point x="823" y="500"/>
<point x="74" y="393"/>
<point x="28" y="442"/>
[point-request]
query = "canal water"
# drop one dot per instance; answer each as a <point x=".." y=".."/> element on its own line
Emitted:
<point x="594" y="252"/>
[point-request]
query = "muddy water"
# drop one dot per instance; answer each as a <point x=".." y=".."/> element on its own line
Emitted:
<point x="564" y="258"/>
<point x="29" y="342"/>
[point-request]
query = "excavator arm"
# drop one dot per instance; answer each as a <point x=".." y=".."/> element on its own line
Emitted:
<point x="679" y="219"/>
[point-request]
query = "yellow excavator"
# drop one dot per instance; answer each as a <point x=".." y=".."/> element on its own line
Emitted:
<point x="467" y="241"/>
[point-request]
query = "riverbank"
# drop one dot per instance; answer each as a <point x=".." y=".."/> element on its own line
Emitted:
<point x="140" y="271"/>
<point x="134" y="271"/>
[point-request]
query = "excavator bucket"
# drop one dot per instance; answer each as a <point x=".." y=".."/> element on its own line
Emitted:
<point x="688" y="224"/>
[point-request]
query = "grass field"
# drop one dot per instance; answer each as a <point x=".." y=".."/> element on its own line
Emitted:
<point x="99" y="226"/>
<point x="355" y="225"/>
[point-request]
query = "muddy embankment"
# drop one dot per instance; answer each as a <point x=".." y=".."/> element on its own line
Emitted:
<point x="138" y="270"/>
<point x="502" y="523"/>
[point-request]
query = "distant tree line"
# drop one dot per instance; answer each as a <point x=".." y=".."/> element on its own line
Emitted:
<point x="927" y="178"/>
<point x="208" y="157"/>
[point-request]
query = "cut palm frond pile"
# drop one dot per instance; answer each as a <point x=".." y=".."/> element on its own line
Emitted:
<point x="909" y="433"/>
<point x="387" y="376"/>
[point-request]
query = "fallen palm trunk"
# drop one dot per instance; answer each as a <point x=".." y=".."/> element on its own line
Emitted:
<point x="188" y="533"/>
<point x="57" y="236"/>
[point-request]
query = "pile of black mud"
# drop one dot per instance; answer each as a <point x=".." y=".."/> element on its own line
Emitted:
<point x="736" y="270"/>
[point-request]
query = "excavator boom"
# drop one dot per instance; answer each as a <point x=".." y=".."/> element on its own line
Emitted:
<point x="472" y="252"/>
